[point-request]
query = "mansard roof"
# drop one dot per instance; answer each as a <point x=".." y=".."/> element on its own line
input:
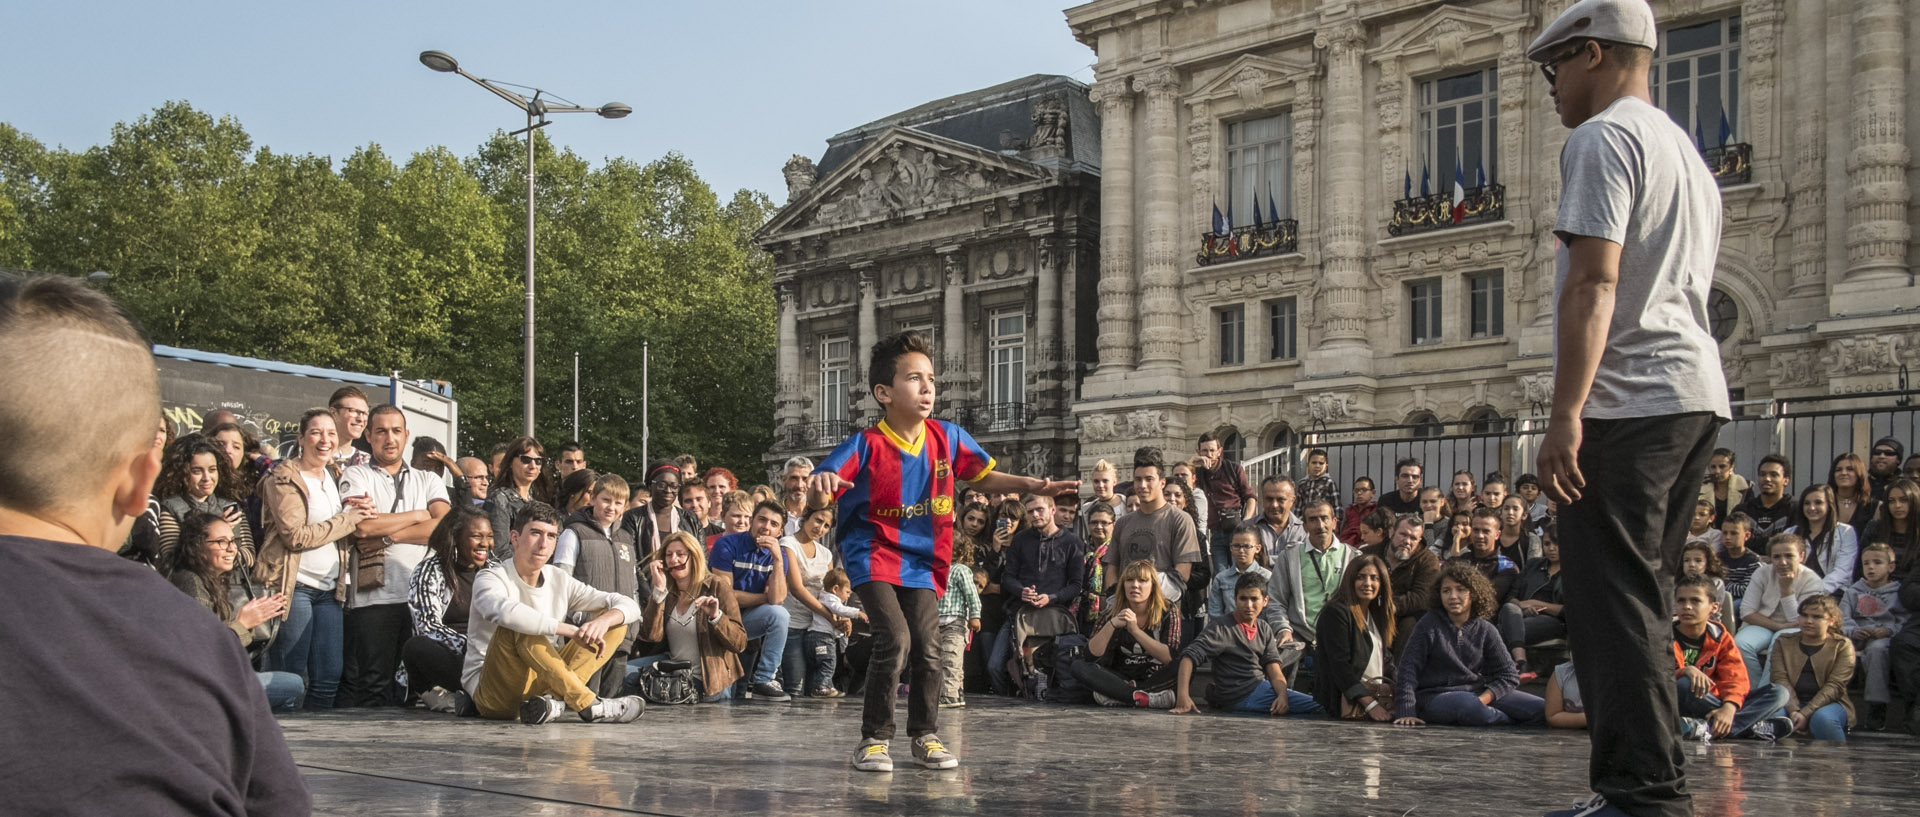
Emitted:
<point x="981" y="118"/>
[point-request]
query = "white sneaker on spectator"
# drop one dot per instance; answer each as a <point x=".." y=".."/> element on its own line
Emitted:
<point x="540" y="709"/>
<point x="438" y="699"/>
<point x="1773" y="729"/>
<point x="614" y="710"/>
<point x="1154" y="700"/>
<point x="1695" y="729"/>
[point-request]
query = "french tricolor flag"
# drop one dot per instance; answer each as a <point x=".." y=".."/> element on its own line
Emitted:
<point x="1459" y="195"/>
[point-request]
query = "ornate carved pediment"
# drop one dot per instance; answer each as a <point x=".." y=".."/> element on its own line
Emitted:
<point x="1243" y="83"/>
<point x="1445" y="33"/>
<point x="900" y="172"/>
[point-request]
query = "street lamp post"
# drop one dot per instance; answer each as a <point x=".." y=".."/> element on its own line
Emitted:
<point x="536" y="110"/>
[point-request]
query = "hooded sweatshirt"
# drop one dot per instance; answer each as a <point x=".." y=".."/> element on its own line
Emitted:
<point x="1869" y="607"/>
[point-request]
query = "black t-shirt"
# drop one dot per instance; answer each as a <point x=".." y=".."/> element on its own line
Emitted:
<point x="1391" y="501"/>
<point x="121" y="695"/>
<point x="1807" y="686"/>
<point x="1767" y="521"/>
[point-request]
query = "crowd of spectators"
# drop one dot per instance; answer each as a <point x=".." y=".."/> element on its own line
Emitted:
<point x="527" y="586"/>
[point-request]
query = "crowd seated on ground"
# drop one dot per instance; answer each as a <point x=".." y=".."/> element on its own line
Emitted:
<point x="1184" y="586"/>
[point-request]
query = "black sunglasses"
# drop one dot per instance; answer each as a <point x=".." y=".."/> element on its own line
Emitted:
<point x="529" y="459"/>
<point x="1547" y="67"/>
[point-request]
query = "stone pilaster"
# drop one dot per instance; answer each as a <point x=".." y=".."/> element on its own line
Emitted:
<point x="1046" y="309"/>
<point x="1343" y="290"/>
<point x="1808" y="182"/>
<point x="789" y="391"/>
<point x="953" y="325"/>
<point x="1877" y="277"/>
<point x="1160" y="272"/>
<point x="868" y="336"/>
<point x="1200" y="126"/>
<point x="1117" y="349"/>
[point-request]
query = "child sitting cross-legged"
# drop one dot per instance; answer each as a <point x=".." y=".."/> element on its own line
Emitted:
<point x="1711" y="678"/>
<point x="1456" y="670"/>
<point x="1245" y="652"/>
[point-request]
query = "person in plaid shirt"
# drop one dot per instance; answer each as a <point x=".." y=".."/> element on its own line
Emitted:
<point x="959" y="613"/>
<point x="1319" y="484"/>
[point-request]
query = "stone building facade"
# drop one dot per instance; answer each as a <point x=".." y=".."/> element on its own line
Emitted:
<point x="972" y="219"/>
<point x="1357" y="300"/>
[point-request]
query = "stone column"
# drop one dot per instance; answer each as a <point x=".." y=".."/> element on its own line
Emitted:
<point x="1116" y="339"/>
<point x="953" y="326"/>
<point x="1877" y="198"/>
<point x="1160" y="272"/>
<point x="1046" y="310"/>
<point x="1808" y="181"/>
<point x="1344" y="279"/>
<point x="788" y="398"/>
<point x="867" y="337"/>
<point x="1200" y="126"/>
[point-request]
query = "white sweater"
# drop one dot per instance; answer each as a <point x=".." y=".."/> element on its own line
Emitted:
<point x="1764" y="597"/>
<point x="501" y="599"/>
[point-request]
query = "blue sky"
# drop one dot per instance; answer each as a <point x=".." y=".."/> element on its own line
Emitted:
<point x="737" y="87"/>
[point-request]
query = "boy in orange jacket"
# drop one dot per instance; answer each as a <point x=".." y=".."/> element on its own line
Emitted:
<point x="1715" y="698"/>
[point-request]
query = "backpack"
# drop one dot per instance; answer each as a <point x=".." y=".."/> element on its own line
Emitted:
<point x="668" y="683"/>
<point x="1053" y="682"/>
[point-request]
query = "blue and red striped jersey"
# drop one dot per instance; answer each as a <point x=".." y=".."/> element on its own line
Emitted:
<point x="895" y="523"/>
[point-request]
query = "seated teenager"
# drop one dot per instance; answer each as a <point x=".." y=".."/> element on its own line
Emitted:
<point x="197" y="475"/>
<point x="1815" y="668"/>
<point x="1453" y="536"/>
<point x="1132" y="650"/>
<point x="1535" y="614"/>
<point x="1565" y="708"/>
<point x="1246" y="659"/>
<point x="1519" y="538"/>
<point x="1736" y="558"/>
<point x="1773" y="599"/>
<point x="1456" y="669"/>
<point x="515" y="665"/>
<point x="1701" y="529"/>
<point x="203" y="566"/>
<point x="1248" y="558"/>
<point x="1041" y="580"/>
<point x="441" y="604"/>
<point x="753" y="562"/>
<point x="1352" y="656"/>
<point x="693" y="612"/>
<point x="600" y="552"/>
<point x="1715" y="698"/>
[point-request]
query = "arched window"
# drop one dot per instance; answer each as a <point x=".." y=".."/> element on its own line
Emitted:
<point x="1426" y="424"/>
<point x="1485" y="420"/>
<point x="1232" y="445"/>
<point x="1283" y="437"/>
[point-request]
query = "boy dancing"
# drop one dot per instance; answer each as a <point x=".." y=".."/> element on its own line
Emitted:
<point x="894" y="485"/>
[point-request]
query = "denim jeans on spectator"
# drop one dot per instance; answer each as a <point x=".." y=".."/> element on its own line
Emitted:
<point x="284" y="690"/>
<point x="1465" y="709"/>
<point x="1762" y="702"/>
<point x="1619" y="543"/>
<point x="1829" y="723"/>
<point x="308" y="644"/>
<point x="809" y="661"/>
<point x="767" y="622"/>
<point x="1220" y="547"/>
<point x="1754" y="640"/>
<point x="1261" y="700"/>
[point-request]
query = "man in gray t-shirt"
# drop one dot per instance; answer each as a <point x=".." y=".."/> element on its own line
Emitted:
<point x="1638" y="393"/>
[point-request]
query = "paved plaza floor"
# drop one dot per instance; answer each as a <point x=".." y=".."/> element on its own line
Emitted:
<point x="1029" y="760"/>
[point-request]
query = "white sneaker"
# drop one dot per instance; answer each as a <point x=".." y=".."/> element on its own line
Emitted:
<point x="540" y="709"/>
<point x="872" y="757"/>
<point x="1164" y="699"/>
<point x="614" y="710"/>
<point x="439" y="699"/>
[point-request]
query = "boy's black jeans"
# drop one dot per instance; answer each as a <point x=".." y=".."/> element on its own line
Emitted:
<point x="906" y="631"/>
<point x="1619" y="543"/>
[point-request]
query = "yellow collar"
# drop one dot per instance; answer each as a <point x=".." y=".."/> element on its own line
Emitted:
<point x="912" y="448"/>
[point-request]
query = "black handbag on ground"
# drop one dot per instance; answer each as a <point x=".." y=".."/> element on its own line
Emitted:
<point x="668" y="683"/>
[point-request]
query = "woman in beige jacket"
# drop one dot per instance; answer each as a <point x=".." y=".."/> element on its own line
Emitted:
<point x="305" y="524"/>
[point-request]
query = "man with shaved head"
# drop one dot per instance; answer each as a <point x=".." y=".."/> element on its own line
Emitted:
<point x="474" y="480"/>
<point x="187" y="732"/>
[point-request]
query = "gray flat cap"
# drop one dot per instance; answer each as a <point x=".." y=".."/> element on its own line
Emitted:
<point x="1620" y="21"/>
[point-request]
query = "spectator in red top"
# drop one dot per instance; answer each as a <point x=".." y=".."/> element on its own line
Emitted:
<point x="1363" y="504"/>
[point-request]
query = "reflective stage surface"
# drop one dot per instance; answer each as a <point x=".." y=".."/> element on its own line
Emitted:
<point x="1023" y="760"/>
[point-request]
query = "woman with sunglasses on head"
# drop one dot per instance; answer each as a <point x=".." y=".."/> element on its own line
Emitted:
<point x="524" y="477"/>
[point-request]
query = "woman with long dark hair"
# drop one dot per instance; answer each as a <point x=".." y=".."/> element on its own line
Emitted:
<point x="440" y="603"/>
<point x="196" y="475"/>
<point x="524" y="478"/>
<point x="1833" y="546"/>
<point x="203" y="565"/>
<point x="1353" y="656"/>
<point x="1894" y="524"/>
<point x="243" y="453"/>
<point x="1853" y="501"/>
